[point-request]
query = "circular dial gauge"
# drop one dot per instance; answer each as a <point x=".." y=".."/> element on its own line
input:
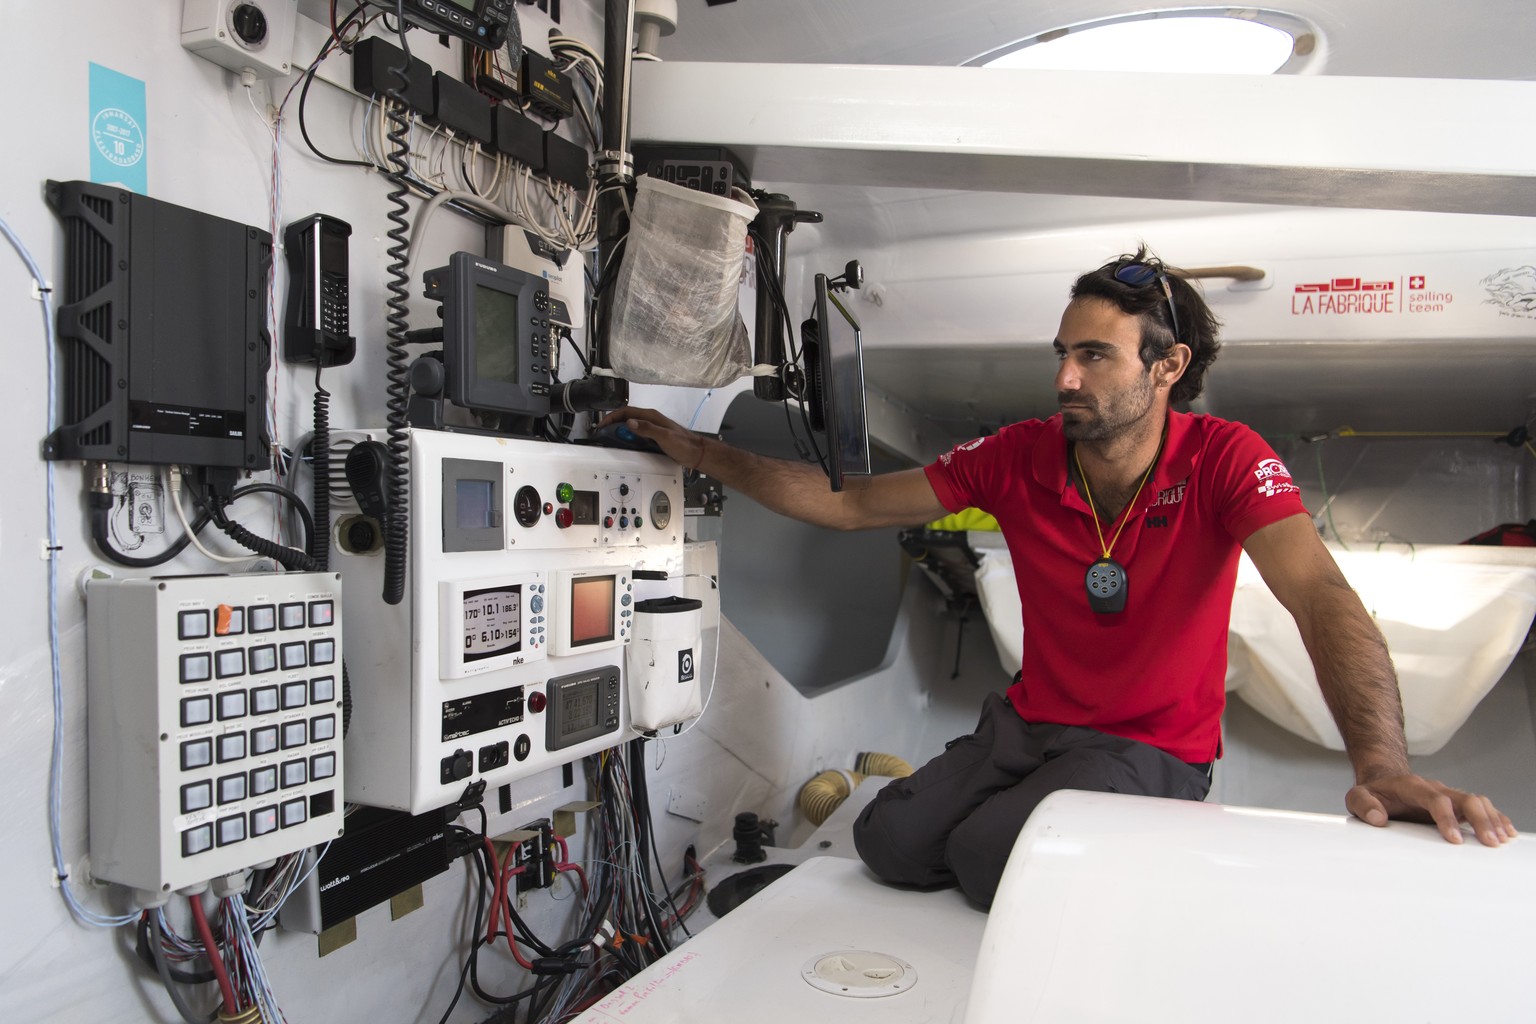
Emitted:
<point x="527" y="506"/>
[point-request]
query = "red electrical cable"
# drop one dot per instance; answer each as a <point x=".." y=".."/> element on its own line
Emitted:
<point x="496" y="883"/>
<point x="211" y="949"/>
<point x="500" y="898"/>
<point x="517" y="954"/>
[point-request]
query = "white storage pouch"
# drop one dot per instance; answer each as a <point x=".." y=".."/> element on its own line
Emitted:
<point x="663" y="662"/>
<point x="675" y="318"/>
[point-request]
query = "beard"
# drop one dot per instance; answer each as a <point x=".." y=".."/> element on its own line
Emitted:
<point x="1107" y="417"/>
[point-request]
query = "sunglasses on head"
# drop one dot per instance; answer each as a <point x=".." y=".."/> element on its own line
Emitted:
<point x="1138" y="275"/>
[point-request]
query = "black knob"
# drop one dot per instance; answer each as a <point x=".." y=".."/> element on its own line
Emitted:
<point x="428" y="375"/>
<point x="249" y="23"/>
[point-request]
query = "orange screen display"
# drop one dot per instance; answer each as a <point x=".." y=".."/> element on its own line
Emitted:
<point x="591" y="610"/>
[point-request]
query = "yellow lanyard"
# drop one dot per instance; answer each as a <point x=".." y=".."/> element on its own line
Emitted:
<point x="1125" y="514"/>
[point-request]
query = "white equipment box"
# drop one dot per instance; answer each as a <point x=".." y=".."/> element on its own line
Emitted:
<point x="214" y="722"/>
<point x="506" y="655"/>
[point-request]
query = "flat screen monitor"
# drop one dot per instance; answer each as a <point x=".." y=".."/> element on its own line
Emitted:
<point x="834" y="365"/>
<point x="496" y="335"/>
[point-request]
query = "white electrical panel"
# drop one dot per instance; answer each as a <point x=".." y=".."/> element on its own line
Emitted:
<point x="214" y="722"/>
<point x="241" y="35"/>
<point x="506" y="655"/>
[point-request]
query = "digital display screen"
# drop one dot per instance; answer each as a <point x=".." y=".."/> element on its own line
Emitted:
<point x="492" y="622"/>
<point x="592" y="609"/>
<point x="845" y="386"/>
<point x="495" y="335"/>
<point x="578" y="705"/>
<point x="333" y="252"/>
<point x="476" y="505"/>
<point x="468" y="5"/>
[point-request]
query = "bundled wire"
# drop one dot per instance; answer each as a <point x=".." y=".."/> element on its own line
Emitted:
<point x="623" y="924"/>
<point x="575" y="58"/>
<point x="163" y="945"/>
<point x="624" y="843"/>
<point x="83" y="914"/>
<point x="690" y="890"/>
<point x="211" y="951"/>
<point x="254" y="986"/>
<point x="230" y="951"/>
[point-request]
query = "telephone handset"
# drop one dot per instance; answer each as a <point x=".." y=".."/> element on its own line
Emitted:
<point x="317" y="327"/>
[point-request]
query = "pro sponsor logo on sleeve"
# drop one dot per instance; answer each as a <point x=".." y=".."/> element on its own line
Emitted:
<point x="967" y="447"/>
<point x="1274" y="478"/>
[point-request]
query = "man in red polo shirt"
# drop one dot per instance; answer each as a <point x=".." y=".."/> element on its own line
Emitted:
<point x="1124" y="520"/>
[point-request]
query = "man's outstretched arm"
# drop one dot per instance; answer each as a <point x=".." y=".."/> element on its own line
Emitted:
<point x="792" y="489"/>
<point x="1359" y="685"/>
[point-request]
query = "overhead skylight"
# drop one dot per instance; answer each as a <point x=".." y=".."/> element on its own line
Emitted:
<point x="1214" y="40"/>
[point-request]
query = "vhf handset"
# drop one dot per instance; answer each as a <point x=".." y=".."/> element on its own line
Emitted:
<point x="318" y="323"/>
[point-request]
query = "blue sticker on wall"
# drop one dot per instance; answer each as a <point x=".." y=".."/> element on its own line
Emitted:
<point x="119" y="136"/>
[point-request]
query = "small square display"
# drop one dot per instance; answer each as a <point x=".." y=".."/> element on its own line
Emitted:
<point x="592" y="610"/>
<point x="476" y="504"/>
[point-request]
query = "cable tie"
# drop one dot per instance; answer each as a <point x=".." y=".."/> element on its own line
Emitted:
<point x="764" y="370"/>
<point x="39" y="292"/>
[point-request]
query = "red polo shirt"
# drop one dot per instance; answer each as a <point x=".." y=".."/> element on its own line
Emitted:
<point x="1155" y="672"/>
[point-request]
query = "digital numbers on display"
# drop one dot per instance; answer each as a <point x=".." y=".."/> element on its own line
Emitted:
<point x="492" y="622"/>
<point x="579" y="706"/>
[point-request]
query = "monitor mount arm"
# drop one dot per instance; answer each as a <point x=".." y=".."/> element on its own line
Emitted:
<point x="777" y="216"/>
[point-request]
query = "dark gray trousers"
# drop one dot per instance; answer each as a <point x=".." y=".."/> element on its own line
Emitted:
<point x="954" y="820"/>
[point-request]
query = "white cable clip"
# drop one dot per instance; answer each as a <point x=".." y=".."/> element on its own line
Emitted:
<point x="765" y="370"/>
<point x="39" y="292"/>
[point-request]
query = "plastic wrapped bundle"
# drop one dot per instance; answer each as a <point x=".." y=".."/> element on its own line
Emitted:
<point x="675" y="318"/>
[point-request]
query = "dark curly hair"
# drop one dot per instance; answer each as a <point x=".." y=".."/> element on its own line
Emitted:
<point x="1197" y="324"/>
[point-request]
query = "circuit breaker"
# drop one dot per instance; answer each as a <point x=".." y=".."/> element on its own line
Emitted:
<point x="214" y="723"/>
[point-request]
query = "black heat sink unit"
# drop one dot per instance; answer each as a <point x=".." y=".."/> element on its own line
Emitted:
<point x="379" y="855"/>
<point x="162" y="331"/>
<point x="712" y="169"/>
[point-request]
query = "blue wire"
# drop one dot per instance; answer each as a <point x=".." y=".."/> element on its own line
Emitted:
<point x="702" y="402"/>
<point x="55" y="764"/>
<point x="236" y="916"/>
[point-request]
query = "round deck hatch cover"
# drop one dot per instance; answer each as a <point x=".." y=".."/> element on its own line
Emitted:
<point x="859" y="974"/>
